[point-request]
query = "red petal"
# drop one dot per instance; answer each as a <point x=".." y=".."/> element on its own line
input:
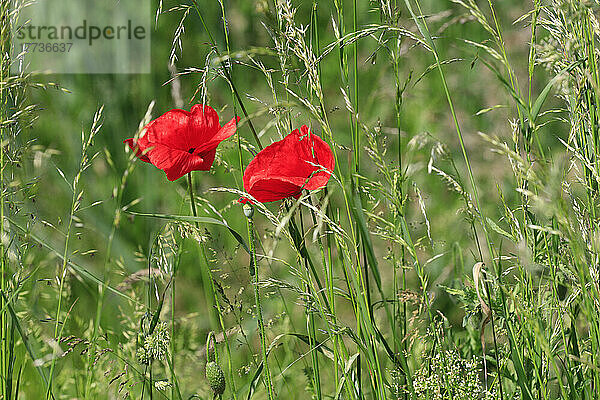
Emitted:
<point x="138" y="151"/>
<point x="283" y="169"/>
<point x="176" y="163"/>
<point x="225" y="132"/>
<point x="170" y="140"/>
<point x="182" y="130"/>
<point x="323" y="160"/>
<point x="205" y="122"/>
<point x="266" y="190"/>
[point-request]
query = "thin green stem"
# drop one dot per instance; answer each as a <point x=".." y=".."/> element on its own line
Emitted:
<point x="192" y="198"/>
<point x="75" y="202"/>
<point x="399" y="210"/>
<point x="310" y="320"/>
<point x="172" y="343"/>
<point x="249" y="211"/>
<point x="227" y="72"/>
<point x="356" y="106"/>
<point x="212" y="297"/>
<point x="102" y="287"/>
<point x="62" y="274"/>
<point x="3" y="314"/>
<point x="233" y="94"/>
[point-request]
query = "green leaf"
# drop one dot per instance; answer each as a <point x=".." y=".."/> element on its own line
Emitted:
<point x="488" y="109"/>
<point x="499" y="230"/>
<point x="25" y="339"/>
<point x="188" y="218"/>
<point x="537" y="105"/>
<point x="254" y="381"/>
<point x="347" y="370"/>
<point x="361" y="223"/>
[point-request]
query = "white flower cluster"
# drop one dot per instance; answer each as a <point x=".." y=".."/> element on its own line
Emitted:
<point x="448" y="376"/>
<point x="155" y="345"/>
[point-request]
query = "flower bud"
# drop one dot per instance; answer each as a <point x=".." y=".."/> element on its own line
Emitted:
<point x="215" y="377"/>
<point x="248" y="210"/>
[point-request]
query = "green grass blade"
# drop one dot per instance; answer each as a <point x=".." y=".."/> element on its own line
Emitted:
<point x="25" y="338"/>
<point x="79" y="269"/>
<point x="204" y="220"/>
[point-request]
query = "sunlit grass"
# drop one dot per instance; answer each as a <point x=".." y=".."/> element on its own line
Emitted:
<point x="453" y="255"/>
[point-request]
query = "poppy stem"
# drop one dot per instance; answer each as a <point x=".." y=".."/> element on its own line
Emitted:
<point x="192" y="199"/>
<point x="210" y="287"/>
<point x="249" y="212"/>
<point x="211" y="354"/>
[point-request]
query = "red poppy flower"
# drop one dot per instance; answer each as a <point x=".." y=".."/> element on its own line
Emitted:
<point x="302" y="160"/>
<point x="179" y="141"/>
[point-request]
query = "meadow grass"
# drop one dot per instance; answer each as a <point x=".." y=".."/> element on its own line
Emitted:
<point x="453" y="255"/>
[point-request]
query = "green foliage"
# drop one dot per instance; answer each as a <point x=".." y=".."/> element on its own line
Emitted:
<point x="463" y="132"/>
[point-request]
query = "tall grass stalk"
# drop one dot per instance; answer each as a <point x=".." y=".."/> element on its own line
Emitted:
<point x="249" y="212"/>
<point x="76" y="199"/>
<point x="225" y="65"/>
<point x="118" y="214"/>
<point x="371" y="307"/>
<point x="4" y="68"/>
<point x="227" y="72"/>
<point x="210" y="286"/>
<point x="326" y="255"/>
<point x="424" y="30"/>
